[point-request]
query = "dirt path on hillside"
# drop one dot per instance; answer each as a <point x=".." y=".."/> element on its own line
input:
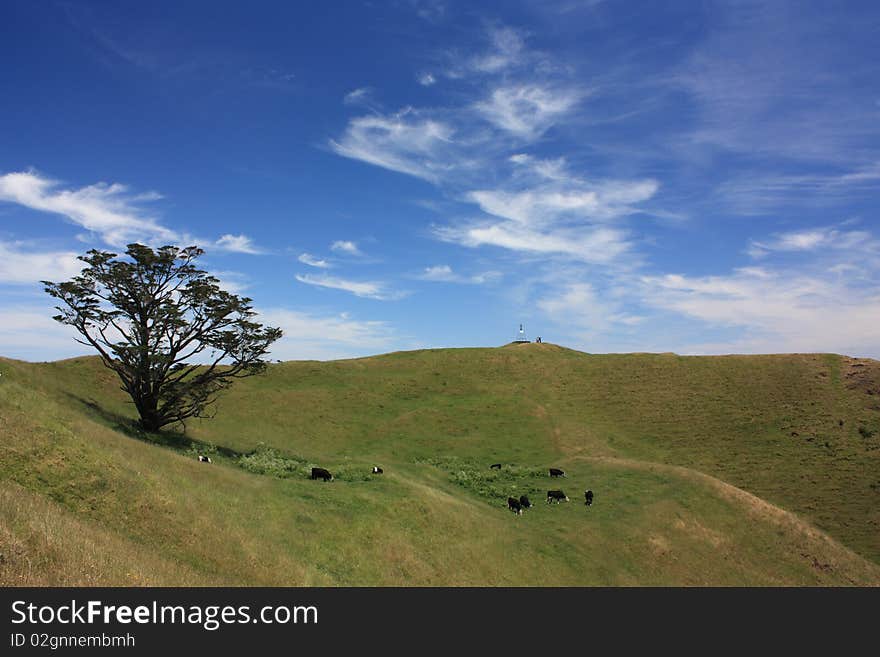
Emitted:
<point x="817" y="547"/>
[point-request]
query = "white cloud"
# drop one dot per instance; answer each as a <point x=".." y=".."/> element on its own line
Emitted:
<point x="485" y="277"/>
<point x="801" y="241"/>
<point x="814" y="239"/>
<point x="779" y="311"/>
<point x="312" y="261"/>
<point x="507" y="50"/>
<point x="583" y="312"/>
<point x="537" y="207"/>
<point x="444" y="274"/>
<point x="237" y="244"/>
<point x="546" y="205"/>
<point x="19" y="267"/>
<point x="439" y="145"/>
<point x="325" y="337"/>
<point x="527" y="110"/>
<point x="550" y="211"/>
<point x="346" y="246"/>
<point x="30" y="333"/>
<point x="233" y="282"/>
<point x="439" y="273"/>
<point x="775" y="79"/>
<point x="402" y="142"/>
<point x="598" y="245"/>
<point x="365" y="289"/>
<point x="760" y="193"/>
<point x="109" y="210"/>
<point x="357" y="96"/>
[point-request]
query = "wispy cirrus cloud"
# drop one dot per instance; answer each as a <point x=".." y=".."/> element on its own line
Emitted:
<point x="234" y="282"/>
<point x="20" y="266"/>
<point x="532" y="205"/>
<point x="760" y="57"/>
<point x="28" y="332"/>
<point x="439" y="144"/>
<point x="366" y="289"/>
<point x="358" y="96"/>
<point x="312" y="261"/>
<point x="861" y="242"/>
<point x="109" y="210"/>
<point x="584" y="311"/>
<point x="548" y="204"/>
<point x="406" y="142"/>
<point x="761" y="193"/>
<point x="598" y="245"/>
<point x="548" y="210"/>
<point x="552" y="196"/>
<point x="346" y="246"/>
<point x="313" y="336"/>
<point x="502" y="50"/>
<point x="237" y="244"/>
<point x="775" y="310"/>
<point x="445" y="274"/>
<point x="527" y="111"/>
<point x="507" y="49"/>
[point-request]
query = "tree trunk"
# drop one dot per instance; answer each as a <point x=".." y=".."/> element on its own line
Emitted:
<point x="151" y="420"/>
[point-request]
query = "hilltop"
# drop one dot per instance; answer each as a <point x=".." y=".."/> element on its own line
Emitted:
<point x="707" y="470"/>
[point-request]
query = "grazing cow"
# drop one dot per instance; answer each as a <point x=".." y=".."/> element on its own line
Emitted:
<point x="321" y="473"/>
<point x="524" y="502"/>
<point x="514" y="505"/>
<point x="204" y="459"/>
<point x="377" y="470"/>
<point x="556" y="472"/>
<point x="556" y="496"/>
<point x="495" y="466"/>
<point x="588" y="496"/>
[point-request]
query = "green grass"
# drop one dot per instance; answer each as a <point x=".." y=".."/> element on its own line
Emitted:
<point x="698" y="474"/>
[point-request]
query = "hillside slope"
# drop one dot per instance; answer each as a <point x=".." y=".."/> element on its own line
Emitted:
<point x="721" y="470"/>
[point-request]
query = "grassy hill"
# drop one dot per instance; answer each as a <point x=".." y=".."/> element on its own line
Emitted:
<point x="707" y="470"/>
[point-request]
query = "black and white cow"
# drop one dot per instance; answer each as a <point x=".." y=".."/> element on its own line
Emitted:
<point x="377" y="470"/>
<point x="588" y="496"/>
<point x="495" y="466"/>
<point x="556" y="472"/>
<point x="556" y="496"/>
<point x="524" y="502"/>
<point x="321" y="473"/>
<point x="204" y="459"/>
<point x="514" y="505"/>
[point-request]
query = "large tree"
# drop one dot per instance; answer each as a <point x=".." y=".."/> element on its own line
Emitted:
<point x="174" y="338"/>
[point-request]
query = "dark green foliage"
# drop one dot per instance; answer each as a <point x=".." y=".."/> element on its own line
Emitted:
<point x="492" y="484"/>
<point x="267" y="461"/>
<point x="150" y="315"/>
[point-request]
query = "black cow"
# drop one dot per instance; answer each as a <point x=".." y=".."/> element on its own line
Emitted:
<point x="321" y="473"/>
<point x="588" y="496"/>
<point x="205" y="459"/>
<point x="524" y="502"/>
<point x="495" y="466"/>
<point x="377" y="470"/>
<point x="556" y="472"/>
<point x="514" y="505"/>
<point x="556" y="496"/>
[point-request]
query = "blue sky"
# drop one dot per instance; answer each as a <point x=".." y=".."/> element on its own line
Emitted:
<point x="692" y="177"/>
